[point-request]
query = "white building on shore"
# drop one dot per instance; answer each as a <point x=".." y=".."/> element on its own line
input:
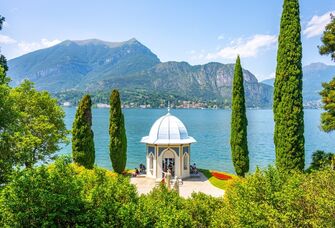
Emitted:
<point x="168" y="147"/>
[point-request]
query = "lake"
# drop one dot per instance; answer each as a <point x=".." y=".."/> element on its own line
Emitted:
<point x="211" y="129"/>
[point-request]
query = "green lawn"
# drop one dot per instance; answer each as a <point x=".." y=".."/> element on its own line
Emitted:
<point x="222" y="184"/>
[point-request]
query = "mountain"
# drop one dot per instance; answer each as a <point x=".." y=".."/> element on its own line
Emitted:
<point x="313" y="77"/>
<point x="97" y="66"/>
<point x="211" y="81"/>
<point x="68" y="64"/>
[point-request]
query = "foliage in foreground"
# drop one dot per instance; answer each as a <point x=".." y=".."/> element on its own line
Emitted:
<point x="83" y="151"/>
<point x="273" y="199"/>
<point x="287" y="101"/>
<point x="65" y="194"/>
<point x="239" y="123"/>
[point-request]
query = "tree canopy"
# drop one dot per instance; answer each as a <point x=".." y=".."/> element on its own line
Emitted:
<point x="83" y="151"/>
<point x="3" y="60"/>
<point x="239" y="123"/>
<point x="40" y="126"/>
<point x="321" y="160"/>
<point x="328" y="39"/>
<point x="117" y="132"/>
<point x="287" y="101"/>
<point x="8" y="125"/>
<point x="328" y="92"/>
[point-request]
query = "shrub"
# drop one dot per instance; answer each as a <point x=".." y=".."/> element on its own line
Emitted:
<point x="42" y="197"/>
<point x="270" y="198"/>
<point x="201" y="208"/>
<point x="162" y="208"/>
<point x="66" y="195"/>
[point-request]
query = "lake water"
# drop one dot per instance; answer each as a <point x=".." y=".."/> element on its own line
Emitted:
<point x="211" y="129"/>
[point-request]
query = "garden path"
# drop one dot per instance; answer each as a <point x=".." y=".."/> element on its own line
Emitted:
<point x="195" y="184"/>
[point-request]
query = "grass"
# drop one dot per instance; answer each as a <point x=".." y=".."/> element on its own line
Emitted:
<point x="222" y="184"/>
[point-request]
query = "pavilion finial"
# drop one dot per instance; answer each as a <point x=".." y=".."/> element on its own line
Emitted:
<point x="168" y="107"/>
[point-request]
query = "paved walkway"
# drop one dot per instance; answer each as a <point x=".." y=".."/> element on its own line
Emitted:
<point x="190" y="185"/>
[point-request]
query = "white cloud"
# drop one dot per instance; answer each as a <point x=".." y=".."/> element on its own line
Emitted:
<point x="317" y="25"/>
<point x="249" y="47"/>
<point x="26" y="47"/>
<point x="5" y="24"/>
<point x="49" y="43"/>
<point x="221" y="37"/>
<point x="6" y="40"/>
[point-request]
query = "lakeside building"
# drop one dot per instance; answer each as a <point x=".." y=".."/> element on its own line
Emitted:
<point x="66" y="104"/>
<point x="101" y="105"/>
<point x="168" y="147"/>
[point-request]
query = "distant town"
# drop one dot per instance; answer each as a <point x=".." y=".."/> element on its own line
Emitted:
<point x="178" y="105"/>
<point x="187" y="105"/>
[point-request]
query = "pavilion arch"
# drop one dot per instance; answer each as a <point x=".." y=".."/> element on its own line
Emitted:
<point x="165" y="158"/>
<point x="169" y="153"/>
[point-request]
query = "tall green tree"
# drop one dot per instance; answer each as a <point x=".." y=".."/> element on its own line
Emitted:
<point x="8" y="125"/>
<point x="328" y="92"/>
<point x="40" y="128"/>
<point x="288" y="103"/>
<point x="117" y="132"/>
<point x="3" y="60"/>
<point x="239" y="123"/>
<point x="83" y="151"/>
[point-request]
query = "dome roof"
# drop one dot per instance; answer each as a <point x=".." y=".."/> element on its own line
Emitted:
<point x="168" y="129"/>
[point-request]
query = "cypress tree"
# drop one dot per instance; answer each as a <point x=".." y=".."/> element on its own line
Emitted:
<point x="239" y="123"/>
<point x="117" y="132"/>
<point x="288" y="103"/>
<point x="83" y="152"/>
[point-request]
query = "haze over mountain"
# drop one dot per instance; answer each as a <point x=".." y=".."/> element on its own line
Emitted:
<point x="313" y="77"/>
<point x="95" y="65"/>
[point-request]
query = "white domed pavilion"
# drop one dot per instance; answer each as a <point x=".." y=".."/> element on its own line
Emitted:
<point x="168" y="146"/>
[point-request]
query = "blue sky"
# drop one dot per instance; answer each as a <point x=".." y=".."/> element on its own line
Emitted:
<point x="196" y="31"/>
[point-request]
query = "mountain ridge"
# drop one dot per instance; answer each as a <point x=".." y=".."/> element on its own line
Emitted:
<point x="97" y="66"/>
<point x="313" y="76"/>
